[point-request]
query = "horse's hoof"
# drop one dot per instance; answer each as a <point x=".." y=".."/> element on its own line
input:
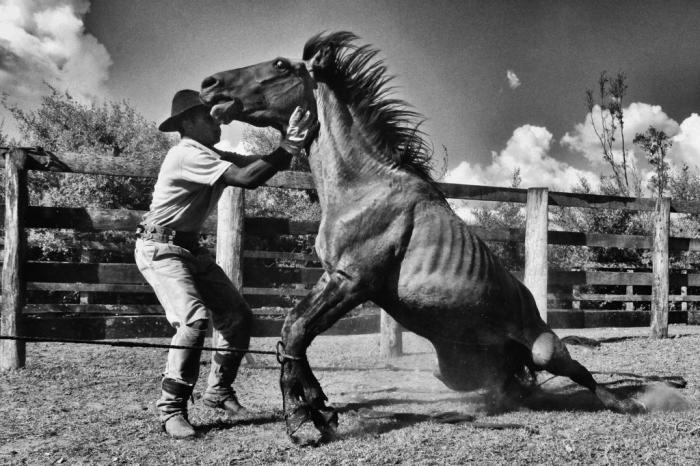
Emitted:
<point x="296" y="418"/>
<point x="623" y="406"/>
<point x="632" y="406"/>
<point x="328" y="435"/>
<point x="310" y="436"/>
<point x="328" y="417"/>
<point x="305" y="441"/>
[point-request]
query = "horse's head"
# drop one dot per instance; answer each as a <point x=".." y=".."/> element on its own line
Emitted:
<point x="267" y="93"/>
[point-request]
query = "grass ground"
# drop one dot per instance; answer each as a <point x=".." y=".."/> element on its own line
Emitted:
<point x="80" y="404"/>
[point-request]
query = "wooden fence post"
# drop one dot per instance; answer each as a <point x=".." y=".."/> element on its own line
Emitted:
<point x="575" y="297"/>
<point x="390" y="337"/>
<point x="12" y="353"/>
<point x="230" y="218"/>
<point x="629" y="291"/>
<point x="659" y="261"/>
<point x="87" y="256"/>
<point x="536" y="247"/>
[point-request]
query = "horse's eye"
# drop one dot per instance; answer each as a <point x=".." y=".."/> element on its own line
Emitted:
<point x="281" y="65"/>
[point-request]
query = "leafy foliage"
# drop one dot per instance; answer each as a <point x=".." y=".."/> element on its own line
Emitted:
<point x="62" y="124"/>
<point x="505" y="215"/>
<point x="656" y="144"/>
<point x="4" y="138"/>
<point x="684" y="184"/>
<point x="111" y="129"/>
<point x="606" y="221"/>
<point x="276" y="202"/>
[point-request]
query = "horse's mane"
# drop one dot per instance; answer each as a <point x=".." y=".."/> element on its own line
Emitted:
<point x="359" y="80"/>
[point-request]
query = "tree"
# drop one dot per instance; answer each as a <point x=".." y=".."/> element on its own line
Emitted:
<point x="110" y="129"/>
<point x="4" y="139"/>
<point x="656" y="144"/>
<point x="684" y="184"/>
<point x="609" y="124"/>
<point x="113" y="129"/>
<point x="275" y="202"/>
<point x="505" y="215"/>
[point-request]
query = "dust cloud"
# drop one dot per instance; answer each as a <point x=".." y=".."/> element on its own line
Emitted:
<point x="661" y="397"/>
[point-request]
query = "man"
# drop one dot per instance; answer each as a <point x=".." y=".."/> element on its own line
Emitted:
<point x="190" y="286"/>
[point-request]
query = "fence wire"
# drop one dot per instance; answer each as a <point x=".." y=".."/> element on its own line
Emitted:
<point x="131" y="344"/>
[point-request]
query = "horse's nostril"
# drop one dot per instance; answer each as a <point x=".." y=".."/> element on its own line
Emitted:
<point x="209" y="83"/>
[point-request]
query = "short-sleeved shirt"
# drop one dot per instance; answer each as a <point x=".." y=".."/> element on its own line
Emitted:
<point x="188" y="188"/>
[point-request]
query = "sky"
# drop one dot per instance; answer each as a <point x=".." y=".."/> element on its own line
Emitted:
<point x="500" y="83"/>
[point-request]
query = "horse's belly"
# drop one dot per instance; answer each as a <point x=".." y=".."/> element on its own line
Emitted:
<point x="446" y="267"/>
<point x="441" y="291"/>
<point x="489" y="307"/>
<point x="449" y="284"/>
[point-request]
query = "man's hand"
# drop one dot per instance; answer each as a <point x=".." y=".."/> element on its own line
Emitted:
<point x="301" y="126"/>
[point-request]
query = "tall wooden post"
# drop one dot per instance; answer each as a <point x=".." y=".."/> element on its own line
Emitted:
<point x="536" y="247"/>
<point x="390" y="337"/>
<point x="12" y="353"/>
<point x="659" y="261"/>
<point x="229" y="238"/>
<point x="629" y="291"/>
<point x="87" y="256"/>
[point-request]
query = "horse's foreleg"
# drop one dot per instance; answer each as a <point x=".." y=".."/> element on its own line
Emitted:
<point x="550" y="354"/>
<point x="303" y="399"/>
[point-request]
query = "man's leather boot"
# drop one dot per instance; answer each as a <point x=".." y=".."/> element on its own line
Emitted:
<point x="173" y="409"/>
<point x="228" y="402"/>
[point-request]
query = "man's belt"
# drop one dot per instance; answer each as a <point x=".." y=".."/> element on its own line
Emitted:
<point x="160" y="234"/>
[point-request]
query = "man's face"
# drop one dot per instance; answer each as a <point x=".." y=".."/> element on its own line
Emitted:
<point x="201" y="127"/>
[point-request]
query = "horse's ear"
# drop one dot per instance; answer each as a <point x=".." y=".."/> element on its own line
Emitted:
<point x="324" y="58"/>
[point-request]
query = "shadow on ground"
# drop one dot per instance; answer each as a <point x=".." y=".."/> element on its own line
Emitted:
<point x="365" y="420"/>
<point x="221" y="424"/>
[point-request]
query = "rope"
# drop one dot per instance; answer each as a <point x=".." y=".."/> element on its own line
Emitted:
<point x="130" y="344"/>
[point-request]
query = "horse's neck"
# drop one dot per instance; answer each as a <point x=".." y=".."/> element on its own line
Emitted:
<point x="342" y="157"/>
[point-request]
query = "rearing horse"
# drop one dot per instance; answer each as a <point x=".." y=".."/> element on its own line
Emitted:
<point x="387" y="233"/>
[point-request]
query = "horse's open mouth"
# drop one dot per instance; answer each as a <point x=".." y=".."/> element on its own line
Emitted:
<point x="225" y="110"/>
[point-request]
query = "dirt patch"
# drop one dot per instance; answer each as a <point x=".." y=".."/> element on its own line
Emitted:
<point x="80" y="404"/>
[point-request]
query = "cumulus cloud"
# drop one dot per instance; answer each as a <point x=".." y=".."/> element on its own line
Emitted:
<point x="638" y="117"/>
<point x="44" y="41"/>
<point x="686" y="144"/>
<point x="528" y="150"/>
<point x="513" y="80"/>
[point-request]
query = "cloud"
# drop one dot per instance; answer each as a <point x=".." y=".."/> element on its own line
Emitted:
<point x="638" y="117"/>
<point x="44" y="41"/>
<point x="528" y="150"/>
<point x="513" y="80"/>
<point x="686" y="144"/>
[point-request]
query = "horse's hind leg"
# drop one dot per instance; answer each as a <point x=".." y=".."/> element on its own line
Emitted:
<point x="303" y="399"/>
<point x="550" y="354"/>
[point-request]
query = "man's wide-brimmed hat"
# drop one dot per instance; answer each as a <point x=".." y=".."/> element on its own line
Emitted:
<point x="183" y="101"/>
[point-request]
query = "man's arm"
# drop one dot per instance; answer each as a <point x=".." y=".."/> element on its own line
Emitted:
<point x="237" y="159"/>
<point x="251" y="172"/>
<point x="258" y="170"/>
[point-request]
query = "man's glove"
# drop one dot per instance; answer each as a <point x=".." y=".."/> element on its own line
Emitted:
<point x="301" y="125"/>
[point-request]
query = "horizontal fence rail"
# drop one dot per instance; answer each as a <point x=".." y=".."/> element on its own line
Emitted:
<point x="274" y="280"/>
<point x="83" y="164"/>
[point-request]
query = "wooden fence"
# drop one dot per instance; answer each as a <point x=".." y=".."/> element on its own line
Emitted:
<point x="281" y="277"/>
